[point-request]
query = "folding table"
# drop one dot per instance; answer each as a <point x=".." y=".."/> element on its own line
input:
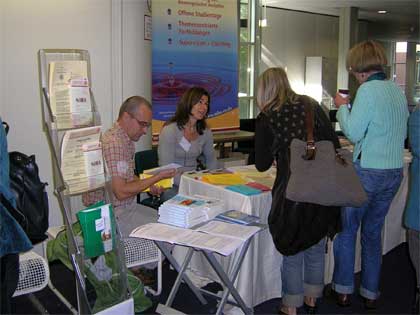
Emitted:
<point x="227" y="280"/>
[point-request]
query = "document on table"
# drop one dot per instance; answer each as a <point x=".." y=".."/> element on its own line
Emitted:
<point x="81" y="159"/>
<point x="242" y="232"/>
<point x="215" y="243"/>
<point x="160" y="232"/>
<point x="250" y="173"/>
<point x="221" y="244"/>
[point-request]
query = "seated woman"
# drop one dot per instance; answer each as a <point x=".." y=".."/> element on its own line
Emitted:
<point x="185" y="139"/>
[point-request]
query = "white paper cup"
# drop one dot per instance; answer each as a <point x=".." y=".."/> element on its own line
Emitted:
<point x="343" y="92"/>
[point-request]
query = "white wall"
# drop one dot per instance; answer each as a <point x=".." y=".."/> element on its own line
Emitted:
<point x="136" y="61"/>
<point x="120" y="64"/>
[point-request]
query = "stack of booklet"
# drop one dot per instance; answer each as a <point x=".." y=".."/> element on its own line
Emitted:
<point x="186" y="211"/>
<point x="238" y="217"/>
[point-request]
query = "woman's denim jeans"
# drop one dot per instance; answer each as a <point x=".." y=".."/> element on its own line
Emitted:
<point x="381" y="185"/>
<point x="303" y="275"/>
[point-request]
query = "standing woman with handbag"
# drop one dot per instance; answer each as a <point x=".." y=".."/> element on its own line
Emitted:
<point x="377" y="125"/>
<point x="298" y="229"/>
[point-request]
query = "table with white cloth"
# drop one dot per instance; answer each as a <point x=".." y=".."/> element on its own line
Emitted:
<point x="259" y="279"/>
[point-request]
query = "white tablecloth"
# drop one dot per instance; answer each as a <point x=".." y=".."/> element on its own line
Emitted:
<point x="259" y="279"/>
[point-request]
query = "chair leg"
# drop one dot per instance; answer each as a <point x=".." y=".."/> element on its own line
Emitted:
<point x="158" y="290"/>
<point x="61" y="297"/>
<point x="37" y="304"/>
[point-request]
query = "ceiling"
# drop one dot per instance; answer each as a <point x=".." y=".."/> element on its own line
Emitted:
<point x="401" y="14"/>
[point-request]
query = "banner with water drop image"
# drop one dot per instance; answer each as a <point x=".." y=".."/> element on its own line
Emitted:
<point x="195" y="43"/>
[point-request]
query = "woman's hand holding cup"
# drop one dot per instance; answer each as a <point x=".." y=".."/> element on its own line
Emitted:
<point x="341" y="98"/>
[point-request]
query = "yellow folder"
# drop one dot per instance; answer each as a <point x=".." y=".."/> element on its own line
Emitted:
<point x="223" y="179"/>
<point x="165" y="183"/>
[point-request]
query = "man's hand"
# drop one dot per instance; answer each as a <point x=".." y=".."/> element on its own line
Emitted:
<point x="167" y="173"/>
<point x="156" y="190"/>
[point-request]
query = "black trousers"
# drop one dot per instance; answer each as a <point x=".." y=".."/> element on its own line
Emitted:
<point x="9" y="276"/>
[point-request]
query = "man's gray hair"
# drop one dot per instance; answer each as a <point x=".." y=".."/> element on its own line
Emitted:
<point x="132" y="104"/>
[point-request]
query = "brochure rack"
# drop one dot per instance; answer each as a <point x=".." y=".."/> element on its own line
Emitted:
<point x="55" y="134"/>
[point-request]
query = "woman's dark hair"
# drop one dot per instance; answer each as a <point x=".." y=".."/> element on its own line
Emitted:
<point x="183" y="109"/>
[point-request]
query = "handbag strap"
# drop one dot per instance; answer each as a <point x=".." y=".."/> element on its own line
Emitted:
<point x="310" y="151"/>
<point x="309" y="123"/>
<point x="6" y="127"/>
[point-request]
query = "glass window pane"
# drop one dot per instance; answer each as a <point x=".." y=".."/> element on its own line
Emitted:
<point x="418" y="74"/>
<point x="244" y="29"/>
<point x="400" y="57"/>
<point x="244" y="70"/>
<point x="400" y="74"/>
<point x="244" y="35"/>
<point x="245" y="108"/>
<point x="244" y="10"/>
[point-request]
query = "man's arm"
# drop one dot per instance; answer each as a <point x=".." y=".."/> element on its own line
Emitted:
<point x="124" y="189"/>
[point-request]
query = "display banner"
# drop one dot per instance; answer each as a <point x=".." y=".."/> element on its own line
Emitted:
<point x="195" y="43"/>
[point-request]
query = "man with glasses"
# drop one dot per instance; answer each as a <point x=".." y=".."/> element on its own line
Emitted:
<point x="118" y="144"/>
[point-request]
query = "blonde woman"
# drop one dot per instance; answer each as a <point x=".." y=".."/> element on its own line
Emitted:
<point x="299" y="230"/>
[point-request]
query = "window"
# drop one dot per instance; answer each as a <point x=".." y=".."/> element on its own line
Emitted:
<point x="417" y="65"/>
<point x="417" y="81"/>
<point x="248" y="53"/>
<point x="400" y="59"/>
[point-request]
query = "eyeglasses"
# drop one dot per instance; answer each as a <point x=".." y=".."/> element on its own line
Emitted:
<point x="142" y="124"/>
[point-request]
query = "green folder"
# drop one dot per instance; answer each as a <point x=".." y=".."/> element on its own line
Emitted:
<point x="98" y="229"/>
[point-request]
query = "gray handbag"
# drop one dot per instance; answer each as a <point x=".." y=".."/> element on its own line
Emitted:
<point x="320" y="175"/>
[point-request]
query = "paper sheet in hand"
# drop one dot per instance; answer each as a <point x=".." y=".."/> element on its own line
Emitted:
<point x="164" y="183"/>
<point x="161" y="168"/>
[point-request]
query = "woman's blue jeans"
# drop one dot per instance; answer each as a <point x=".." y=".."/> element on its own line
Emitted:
<point x="303" y="275"/>
<point x="381" y="185"/>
